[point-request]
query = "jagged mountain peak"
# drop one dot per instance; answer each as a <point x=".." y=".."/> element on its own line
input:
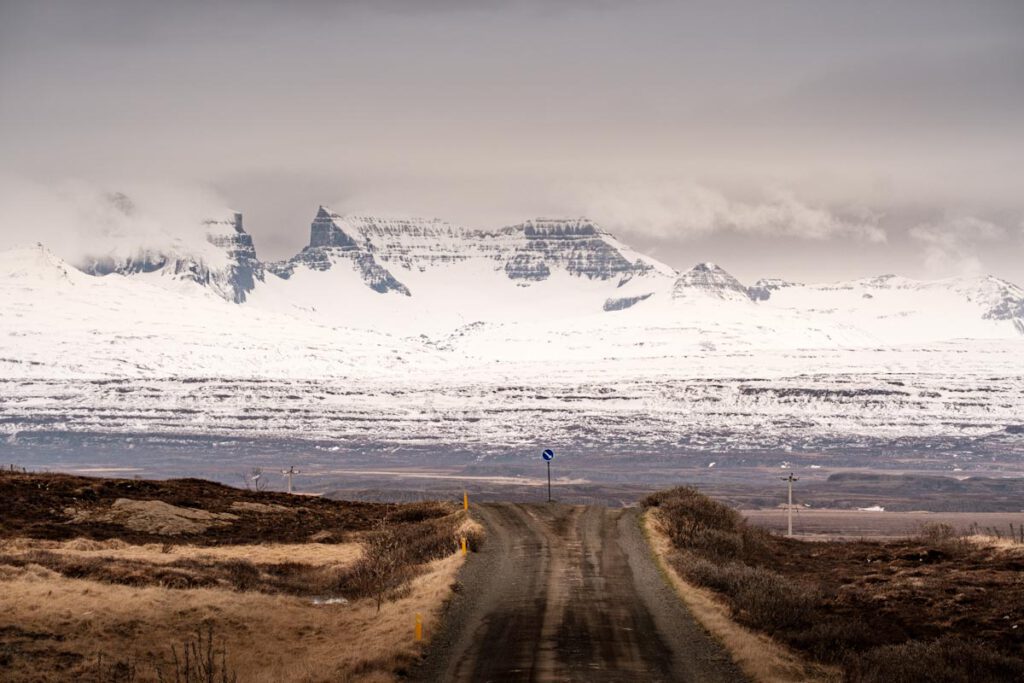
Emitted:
<point x="334" y="239"/>
<point x="709" y="280"/>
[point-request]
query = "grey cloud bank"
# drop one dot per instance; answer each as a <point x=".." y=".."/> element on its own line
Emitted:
<point x="807" y="140"/>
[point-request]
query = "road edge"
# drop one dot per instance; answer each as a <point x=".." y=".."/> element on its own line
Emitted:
<point x="758" y="656"/>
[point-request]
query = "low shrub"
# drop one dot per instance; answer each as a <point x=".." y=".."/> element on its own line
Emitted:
<point x="759" y="597"/>
<point x="832" y="638"/>
<point x="946" y="660"/>
<point x="700" y="524"/>
<point x="944" y="538"/>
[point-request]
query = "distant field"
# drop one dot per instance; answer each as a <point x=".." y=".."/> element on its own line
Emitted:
<point x="859" y="524"/>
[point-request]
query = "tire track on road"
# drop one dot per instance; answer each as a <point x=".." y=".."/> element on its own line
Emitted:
<point x="568" y="593"/>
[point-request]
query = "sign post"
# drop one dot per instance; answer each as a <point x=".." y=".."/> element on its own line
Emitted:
<point x="548" y="456"/>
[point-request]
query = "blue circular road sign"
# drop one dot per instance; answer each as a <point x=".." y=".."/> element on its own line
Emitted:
<point x="548" y="454"/>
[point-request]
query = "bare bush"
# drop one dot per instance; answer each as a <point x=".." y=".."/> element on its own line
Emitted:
<point x="109" y="670"/>
<point x="199" y="661"/>
<point x="944" y="538"/>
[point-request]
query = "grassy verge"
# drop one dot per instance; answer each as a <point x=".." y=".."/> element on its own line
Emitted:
<point x="757" y="655"/>
<point x="96" y="590"/>
<point x="932" y="608"/>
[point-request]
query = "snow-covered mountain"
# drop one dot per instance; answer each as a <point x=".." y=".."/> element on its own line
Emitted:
<point x="422" y="332"/>
<point x="413" y="275"/>
<point x="409" y="277"/>
<point x="226" y="264"/>
<point x="709" y="280"/>
<point x="530" y="252"/>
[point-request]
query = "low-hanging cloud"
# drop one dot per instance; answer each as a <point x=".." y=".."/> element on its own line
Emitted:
<point x="951" y="246"/>
<point x="692" y="210"/>
<point x="81" y="221"/>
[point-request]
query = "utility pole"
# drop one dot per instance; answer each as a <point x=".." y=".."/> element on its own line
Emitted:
<point x="789" y="510"/>
<point x="290" y="472"/>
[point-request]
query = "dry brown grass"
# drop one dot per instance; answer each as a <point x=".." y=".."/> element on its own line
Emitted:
<point x="268" y="638"/>
<point x="153" y="516"/>
<point x="997" y="543"/>
<point x="117" y="596"/>
<point x="336" y="554"/>
<point x="758" y="656"/>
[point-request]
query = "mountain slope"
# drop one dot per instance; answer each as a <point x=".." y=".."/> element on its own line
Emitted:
<point x="56" y="321"/>
<point x="227" y="264"/>
<point x="896" y="309"/>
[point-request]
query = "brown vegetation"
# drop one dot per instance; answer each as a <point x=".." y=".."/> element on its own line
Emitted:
<point x="862" y="605"/>
<point x="64" y="507"/>
<point x="94" y="589"/>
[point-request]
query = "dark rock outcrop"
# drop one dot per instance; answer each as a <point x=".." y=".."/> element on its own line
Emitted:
<point x="625" y="302"/>
<point x="577" y="245"/>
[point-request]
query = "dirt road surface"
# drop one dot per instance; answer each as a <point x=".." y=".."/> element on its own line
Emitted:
<point x="568" y="593"/>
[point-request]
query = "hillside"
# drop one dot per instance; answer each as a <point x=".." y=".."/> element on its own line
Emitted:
<point x="110" y="579"/>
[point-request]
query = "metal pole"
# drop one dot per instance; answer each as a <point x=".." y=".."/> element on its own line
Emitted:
<point x="790" y="508"/>
<point x="549" y="481"/>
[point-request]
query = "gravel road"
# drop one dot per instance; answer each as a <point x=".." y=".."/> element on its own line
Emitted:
<point x="568" y="593"/>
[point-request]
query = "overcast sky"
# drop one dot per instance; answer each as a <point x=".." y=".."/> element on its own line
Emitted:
<point x="809" y="140"/>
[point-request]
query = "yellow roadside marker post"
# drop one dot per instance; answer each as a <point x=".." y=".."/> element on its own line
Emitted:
<point x="465" y="500"/>
<point x="419" y="627"/>
<point x="463" y="545"/>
